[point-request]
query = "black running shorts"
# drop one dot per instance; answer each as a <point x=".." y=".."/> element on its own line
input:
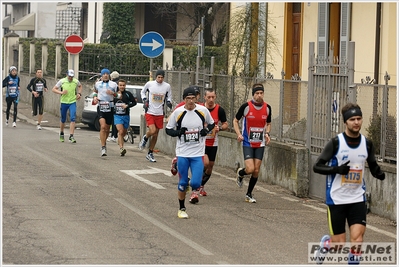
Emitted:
<point x="211" y="152"/>
<point x="253" y="152"/>
<point x="108" y="116"/>
<point x="355" y="213"/>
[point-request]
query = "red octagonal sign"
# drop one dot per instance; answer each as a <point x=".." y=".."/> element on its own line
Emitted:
<point x="73" y="44"/>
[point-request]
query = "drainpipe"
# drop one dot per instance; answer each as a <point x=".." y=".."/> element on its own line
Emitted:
<point x="377" y="56"/>
<point x="95" y="22"/>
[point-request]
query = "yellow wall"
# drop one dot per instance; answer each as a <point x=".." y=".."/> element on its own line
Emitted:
<point x="277" y="29"/>
<point x="363" y="34"/>
<point x="309" y="34"/>
<point x="389" y="42"/>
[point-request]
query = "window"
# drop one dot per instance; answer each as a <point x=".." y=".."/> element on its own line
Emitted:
<point x="330" y="32"/>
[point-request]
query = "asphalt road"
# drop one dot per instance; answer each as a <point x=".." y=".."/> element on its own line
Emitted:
<point x="64" y="204"/>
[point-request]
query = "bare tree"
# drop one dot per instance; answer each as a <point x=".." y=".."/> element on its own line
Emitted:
<point x="250" y="41"/>
<point x="216" y="17"/>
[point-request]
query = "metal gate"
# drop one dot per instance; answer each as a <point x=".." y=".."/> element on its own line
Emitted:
<point x="330" y="88"/>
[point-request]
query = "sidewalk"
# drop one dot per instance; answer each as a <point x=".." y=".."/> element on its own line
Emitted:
<point x="25" y="114"/>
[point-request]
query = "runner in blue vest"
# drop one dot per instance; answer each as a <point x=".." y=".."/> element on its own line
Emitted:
<point x="11" y="82"/>
<point x="343" y="161"/>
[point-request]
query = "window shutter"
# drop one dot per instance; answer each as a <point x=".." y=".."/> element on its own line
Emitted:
<point x="344" y="30"/>
<point x="322" y="31"/>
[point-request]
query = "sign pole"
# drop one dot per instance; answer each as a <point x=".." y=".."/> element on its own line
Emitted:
<point x="151" y="63"/>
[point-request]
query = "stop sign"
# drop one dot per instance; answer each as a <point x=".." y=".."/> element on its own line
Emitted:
<point x="73" y="44"/>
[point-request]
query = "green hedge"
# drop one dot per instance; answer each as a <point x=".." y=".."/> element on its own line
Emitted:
<point x="126" y="58"/>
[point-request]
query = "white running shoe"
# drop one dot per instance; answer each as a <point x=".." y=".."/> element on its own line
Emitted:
<point x="142" y="143"/>
<point x="150" y="157"/>
<point x="321" y="253"/>
<point x="182" y="214"/>
<point x="39" y="127"/>
<point x="103" y="151"/>
<point x="250" y="199"/>
<point x="14" y="124"/>
<point x="240" y="179"/>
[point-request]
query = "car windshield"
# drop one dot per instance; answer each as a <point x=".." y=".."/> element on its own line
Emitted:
<point x="134" y="90"/>
<point x="136" y="93"/>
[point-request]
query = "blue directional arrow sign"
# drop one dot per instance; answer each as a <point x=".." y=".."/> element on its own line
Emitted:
<point x="151" y="44"/>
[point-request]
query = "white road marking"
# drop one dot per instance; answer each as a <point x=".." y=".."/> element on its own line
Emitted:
<point x="375" y="229"/>
<point x="152" y="171"/>
<point x="165" y="228"/>
<point x="107" y="192"/>
<point x="245" y="183"/>
<point x="157" y="186"/>
<point x="316" y="208"/>
<point x="290" y="199"/>
<point x="133" y="173"/>
<point x="90" y="182"/>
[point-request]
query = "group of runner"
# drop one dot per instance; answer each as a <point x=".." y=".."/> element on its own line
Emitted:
<point x="196" y="126"/>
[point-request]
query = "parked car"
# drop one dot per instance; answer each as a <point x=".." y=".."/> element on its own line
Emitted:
<point x="90" y="117"/>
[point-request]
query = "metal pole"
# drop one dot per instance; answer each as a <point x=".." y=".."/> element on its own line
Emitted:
<point x="309" y="122"/>
<point x="151" y="63"/>
<point x="197" y="70"/>
<point x="281" y="107"/>
<point x="351" y="72"/>
<point x="384" y="116"/>
<point x="211" y="72"/>
<point x="73" y="62"/>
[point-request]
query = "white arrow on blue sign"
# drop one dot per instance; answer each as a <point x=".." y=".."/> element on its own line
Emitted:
<point x="151" y="44"/>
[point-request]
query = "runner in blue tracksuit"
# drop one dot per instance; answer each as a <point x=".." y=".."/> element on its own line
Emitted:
<point x="11" y="82"/>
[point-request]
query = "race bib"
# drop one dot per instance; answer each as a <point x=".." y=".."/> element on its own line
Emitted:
<point x="39" y="87"/>
<point x="211" y="134"/>
<point x="12" y="91"/>
<point x="105" y="106"/>
<point x="354" y="177"/>
<point x="158" y="98"/>
<point x="256" y="135"/>
<point x="191" y="136"/>
<point x="119" y="108"/>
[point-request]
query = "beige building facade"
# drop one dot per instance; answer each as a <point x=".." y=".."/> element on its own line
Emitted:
<point x="294" y="25"/>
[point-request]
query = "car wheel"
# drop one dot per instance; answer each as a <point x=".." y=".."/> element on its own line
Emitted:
<point x="97" y="125"/>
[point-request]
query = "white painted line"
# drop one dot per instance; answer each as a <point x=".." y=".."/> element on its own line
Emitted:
<point x="290" y="199"/>
<point x="372" y="228"/>
<point x="141" y="179"/>
<point x="165" y="228"/>
<point x="375" y="229"/>
<point x="152" y="170"/>
<point x="107" y="192"/>
<point x="265" y="190"/>
<point x="316" y="208"/>
<point x="90" y="182"/>
<point x="234" y="179"/>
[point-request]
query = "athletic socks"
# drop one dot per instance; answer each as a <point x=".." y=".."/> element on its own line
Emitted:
<point x="252" y="183"/>
<point x="181" y="203"/>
